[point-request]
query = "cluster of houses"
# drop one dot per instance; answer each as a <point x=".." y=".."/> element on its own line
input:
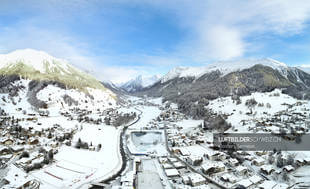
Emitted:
<point x="179" y="174"/>
<point x="229" y="170"/>
<point x="16" y="140"/>
<point x="292" y="122"/>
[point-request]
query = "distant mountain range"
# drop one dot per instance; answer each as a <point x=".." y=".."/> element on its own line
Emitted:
<point x="139" y="83"/>
<point x="190" y="86"/>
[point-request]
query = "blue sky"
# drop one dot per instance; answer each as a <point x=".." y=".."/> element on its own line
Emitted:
<point x="120" y="39"/>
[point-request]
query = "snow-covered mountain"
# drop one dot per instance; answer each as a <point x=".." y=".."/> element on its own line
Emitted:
<point x="139" y="83"/>
<point x="38" y="65"/>
<point x="113" y="87"/>
<point x="45" y="81"/>
<point x="224" y="67"/>
<point x="190" y="86"/>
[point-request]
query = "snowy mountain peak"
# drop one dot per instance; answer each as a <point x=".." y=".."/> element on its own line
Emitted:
<point x="39" y="65"/>
<point x="224" y="67"/>
<point x="39" y="60"/>
<point x="140" y="82"/>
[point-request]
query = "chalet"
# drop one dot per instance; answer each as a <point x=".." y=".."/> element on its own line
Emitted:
<point x="179" y="165"/>
<point x="249" y="157"/>
<point x="184" y="152"/>
<point x="5" y="151"/>
<point x="233" y="162"/>
<point x="6" y="141"/>
<point x="194" y="160"/>
<point x="196" y="179"/>
<point x="172" y="172"/>
<point x="167" y="166"/>
<point x="220" y="156"/>
<point x="242" y="170"/>
<point x="300" y="161"/>
<point x="17" y="148"/>
<point x="258" y="162"/>
<point x="33" y="141"/>
<point x="255" y="179"/>
<point x="213" y="167"/>
<point x="288" y="168"/>
<point x="185" y="180"/>
<point x="267" y="169"/>
<point x="307" y="160"/>
<point x="30" y="184"/>
<point x="228" y="178"/>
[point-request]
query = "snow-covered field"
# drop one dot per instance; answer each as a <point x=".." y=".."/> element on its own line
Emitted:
<point x="149" y="113"/>
<point x="237" y="112"/>
<point x="189" y="123"/>
<point x="75" y="167"/>
<point x="147" y="142"/>
<point x="54" y="97"/>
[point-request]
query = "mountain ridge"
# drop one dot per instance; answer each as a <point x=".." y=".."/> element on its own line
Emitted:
<point x="38" y="65"/>
<point x="139" y="83"/>
<point x="224" y="67"/>
<point x="31" y="73"/>
<point x="193" y="93"/>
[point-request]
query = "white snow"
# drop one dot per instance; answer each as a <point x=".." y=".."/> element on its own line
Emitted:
<point x="237" y="113"/>
<point x="186" y="124"/>
<point x="76" y="167"/>
<point x="149" y="113"/>
<point x="33" y="58"/>
<point x="224" y="67"/>
<point x="54" y="97"/>
<point x="140" y="81"/>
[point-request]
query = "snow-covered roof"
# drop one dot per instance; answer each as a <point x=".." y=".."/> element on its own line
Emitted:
<point x="171" y="172"/>
<point x="255" y="179"/>
<point x="245" y="182"/>
<point x="267" y="184"/>
<point x="267" y="168"/>
<point x="241" y="168"/>
<point x="289" y="168"/>
<point x="195" y="178"/>
<point x="208" y="166"/>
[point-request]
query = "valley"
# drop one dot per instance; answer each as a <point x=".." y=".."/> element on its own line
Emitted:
<point x="154" y="94"/>
<point x="57" y="135"/>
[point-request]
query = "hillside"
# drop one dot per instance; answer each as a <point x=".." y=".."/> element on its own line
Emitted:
<point x="46" y="81"/>
<point x="38" y="65"/>
<point x="190" y="89"/>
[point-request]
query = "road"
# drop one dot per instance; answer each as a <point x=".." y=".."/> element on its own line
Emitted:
<point x="125" y="155"/>
<point x="190" y="166"/>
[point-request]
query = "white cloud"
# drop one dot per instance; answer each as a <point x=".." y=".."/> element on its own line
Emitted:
<point x="220" y="29"/>
<point x="220" y="43"/>
<point x="214" y="30"/>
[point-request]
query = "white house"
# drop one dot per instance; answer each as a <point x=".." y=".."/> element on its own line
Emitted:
<point x="196" y="179"/>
